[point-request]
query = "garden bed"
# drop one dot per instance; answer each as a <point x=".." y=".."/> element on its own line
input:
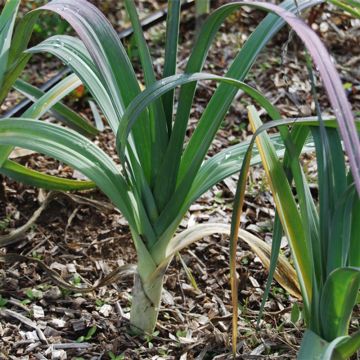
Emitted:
<point x="85" y="241"/>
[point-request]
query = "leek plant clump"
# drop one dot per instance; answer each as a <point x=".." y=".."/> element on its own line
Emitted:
<point x="158" y="179"/>
<point x="324" y="242"/>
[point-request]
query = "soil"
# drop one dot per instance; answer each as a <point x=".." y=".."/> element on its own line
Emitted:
<point x="84" y="240"/>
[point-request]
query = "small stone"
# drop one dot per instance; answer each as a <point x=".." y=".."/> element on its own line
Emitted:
<point x="188" y="289"/>
<point x="38" y="312"/>
<point x="324" y="27"/>
<point x="254" y="282"/>
<point x="57" y="323"/>
<point x="167" y="298"/>
<point x="32" y="335"/>
<point x="105" y="310"/>
<point x="58" y="266"/>
<point x="54" y="293"/>
<point x="58" y="355"/>
<point x="71" y="268"/>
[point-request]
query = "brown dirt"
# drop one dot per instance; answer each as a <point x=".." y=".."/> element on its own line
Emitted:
<point x="83" y="243"/>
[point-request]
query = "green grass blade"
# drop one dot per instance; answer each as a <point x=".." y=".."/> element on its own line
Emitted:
<point x="35" y="178"/>
<point x="172" y="39"/>
<point x="60" y="111"/>
<point x="337" y="301"/>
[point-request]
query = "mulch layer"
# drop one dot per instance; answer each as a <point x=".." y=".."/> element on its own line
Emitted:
<point x="83" y="238"/>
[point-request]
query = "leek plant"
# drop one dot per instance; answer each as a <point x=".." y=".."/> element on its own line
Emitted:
<point x="324" y="240"/>
<point x="161" y="172"/>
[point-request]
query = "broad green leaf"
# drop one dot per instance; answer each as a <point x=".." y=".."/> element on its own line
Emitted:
<point x="348" y="346"/>
<point x="60" y="111"/>
<point x="286" y="275"/>
<point x="172" y="40"/>
<point x="286" y="207"/>
<point x="337" y="301"/>
<point x="73" y="149"/>
<point x="50" y="98"/>
<point x="206" y="129"/>
<point x="220" y="102"/>
<point x="103" y="45"/>
<point x="157" y="121"/>
<point x="351" y="6"/>
<point x="7" y="21"/>
<point x="340" y="230"/>
<point x="67" y="47"/>
<point x="314" y="347"/>
<point x="35" y="178"/>
<point x="12" y="75"/>
<point x="354" y="251"/>
<point x="46" y="102"/>
<point x="109" y="55"/>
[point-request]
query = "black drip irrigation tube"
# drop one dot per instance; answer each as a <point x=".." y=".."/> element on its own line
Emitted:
<point x="147" y="23"/>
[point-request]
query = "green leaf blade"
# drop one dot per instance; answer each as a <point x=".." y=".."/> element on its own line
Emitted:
<point x="337" y="301"/>
<point x="34" y="178"/>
